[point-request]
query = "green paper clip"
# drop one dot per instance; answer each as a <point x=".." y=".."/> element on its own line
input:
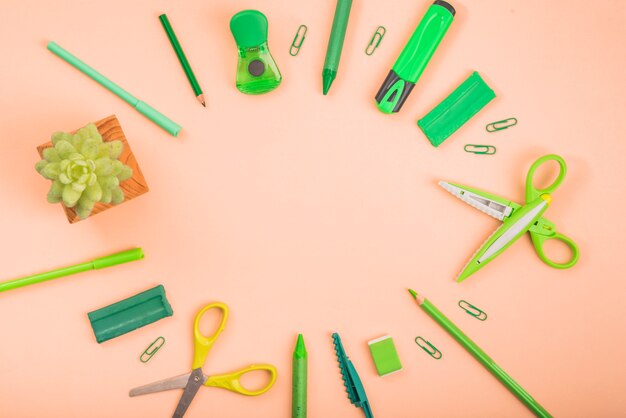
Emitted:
<point x="501" y="125"/>
<point x="375" y="41"/>
<point x="152" y="349"/>
<point x="429" y="348"/>
<point x="295" y="45"/>
<point x="480" y="149"/>
<point x="472" y="310"/>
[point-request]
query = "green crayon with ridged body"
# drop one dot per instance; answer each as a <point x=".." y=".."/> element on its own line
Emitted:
<point x="299" y="380"/>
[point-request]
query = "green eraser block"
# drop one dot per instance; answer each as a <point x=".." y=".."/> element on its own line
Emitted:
<point x="129" y="314"/>
<point x="385" y="355"/>
<point x="456" y="109"/>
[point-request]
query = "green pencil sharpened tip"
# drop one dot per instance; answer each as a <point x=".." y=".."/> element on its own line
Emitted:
<point x="300" y="350"/>
<point x="413" y="293"/>
<point x="328" y="76"/>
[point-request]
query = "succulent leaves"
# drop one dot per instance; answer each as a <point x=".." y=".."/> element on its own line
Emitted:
<point x="84" y="170"/>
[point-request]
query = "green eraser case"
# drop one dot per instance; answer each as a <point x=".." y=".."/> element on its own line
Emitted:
<point x="456" y="109"/>
<point x="257" y="72"/>
<point x="129" y="314"/>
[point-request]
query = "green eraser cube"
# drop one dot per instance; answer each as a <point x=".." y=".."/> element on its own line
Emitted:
<point x="129" y="314"/>
<point x="385" y="355"/>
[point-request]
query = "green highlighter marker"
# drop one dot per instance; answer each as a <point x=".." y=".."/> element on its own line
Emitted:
<point x="414" y="57"/>
<point x="98" y="263"/>
<point x="480" y="355"/>
<point x="335" y="43"/>
<point x="142" y="107"/>
<point x="299" y="380"/>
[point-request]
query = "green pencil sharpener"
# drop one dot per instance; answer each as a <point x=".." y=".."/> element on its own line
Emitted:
<point x="257" y="72"/>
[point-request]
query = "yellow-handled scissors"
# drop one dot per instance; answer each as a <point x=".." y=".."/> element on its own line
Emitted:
<point x="191" y="382"/>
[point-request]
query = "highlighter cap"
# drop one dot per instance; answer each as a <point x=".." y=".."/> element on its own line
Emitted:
<point x="249" y="28"/>
<point x="118" y="258"/>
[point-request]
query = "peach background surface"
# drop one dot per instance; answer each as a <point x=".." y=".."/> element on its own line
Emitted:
<point x="314" y="214"/>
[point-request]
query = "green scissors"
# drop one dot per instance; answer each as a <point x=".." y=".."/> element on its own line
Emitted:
<point x="516" y="219"/>
<point x="191" y="382"/>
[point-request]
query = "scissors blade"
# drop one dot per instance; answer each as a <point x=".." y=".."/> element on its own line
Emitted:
<point x="492" y="205"/>
<point x="196" y="379"/>
<point x="177" y="382"/>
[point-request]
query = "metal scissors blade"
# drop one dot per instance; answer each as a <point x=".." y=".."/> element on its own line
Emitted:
<point x="177" y="382"/>
<point x="485" y="202"/>
<point x="196" y="379"/>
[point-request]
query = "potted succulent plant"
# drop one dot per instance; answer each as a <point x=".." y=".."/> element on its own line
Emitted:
<point x="91" y="169"/>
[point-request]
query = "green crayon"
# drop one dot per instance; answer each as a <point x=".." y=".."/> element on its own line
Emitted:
<point x="299" y="378"/>
<point x="335" y="43"/>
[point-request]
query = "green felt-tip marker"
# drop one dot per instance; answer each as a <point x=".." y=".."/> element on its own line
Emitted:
<point x="480" y="355"/>
<point x="335" y="43"/>
<point x="96" y="264"/>
<point x="299" y="380"/>
<point x="142" y="107"/>
<point x="414" y="57"/>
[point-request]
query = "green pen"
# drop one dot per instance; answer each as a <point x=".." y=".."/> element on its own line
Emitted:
<point x="480" y="355"/>
<point x="142" y="107"/>
<point x="299" y="380"/>
<point x="414" y="57"/>
<point x="98" y="263"/>
<point x="335" y="43"/>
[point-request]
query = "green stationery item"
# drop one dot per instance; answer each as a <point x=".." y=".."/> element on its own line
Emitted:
<point x="501" y="125"/>
<point x="257" y="72"/>
<point x="182" y="58"/>
<point x="299" y="380"/>
<point x="427" y="346"/>
<point x="385" y="355"/>
<point x="335" y="43"/>
<point x="473" y="310"/>
<point x="456" y="109"/>
<point x="480" y="149"/>
<point x="351" y="379"/>
<point x="152" y="350"/>
<point x="98" y="263"/>
<point x="375" y="41"/>
<point x="480" y="355"/>
<point x="516" y="219"/>
<point x="298" y="40"/>
<point x="415" y="57"/>
<point x="129" y="314"/>
<point x="142" y="107"/>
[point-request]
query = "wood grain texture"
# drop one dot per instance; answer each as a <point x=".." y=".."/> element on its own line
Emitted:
<point x="110" y="129"/>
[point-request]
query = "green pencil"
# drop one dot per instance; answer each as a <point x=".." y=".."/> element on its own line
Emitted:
<point x="299" y="378"/>
<point x="481" y="356"/>
<point x="335" y="43"/>
<point x="182" y="58"/>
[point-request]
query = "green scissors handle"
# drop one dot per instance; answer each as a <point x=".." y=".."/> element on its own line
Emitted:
<point x="531" y="192"/>
<point x="232" y="381"/>
<point x="544" y="230"/>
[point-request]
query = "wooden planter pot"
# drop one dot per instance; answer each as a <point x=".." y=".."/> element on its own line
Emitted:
<point x="111" y="130"/>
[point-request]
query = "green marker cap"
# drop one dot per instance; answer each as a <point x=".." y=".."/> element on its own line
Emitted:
<point x="249" y="27"/>
<point x="118" y="258"/>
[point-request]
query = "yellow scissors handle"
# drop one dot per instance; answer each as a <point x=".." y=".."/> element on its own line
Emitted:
<point x="232" y="381"/>
<point x="202" y="343"/>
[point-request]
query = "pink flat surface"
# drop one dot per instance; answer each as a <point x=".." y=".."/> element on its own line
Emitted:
<point x="314" y="214"/>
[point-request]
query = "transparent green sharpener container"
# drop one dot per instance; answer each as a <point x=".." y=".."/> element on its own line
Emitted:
<point x="257" y="72"/>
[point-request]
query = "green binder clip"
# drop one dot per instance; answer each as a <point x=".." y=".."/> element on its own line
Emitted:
<point x="129" y="314"/>
<point x="472" y="310"/>
<point x="257" y="72"/>
<point x="430" y="349"/>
